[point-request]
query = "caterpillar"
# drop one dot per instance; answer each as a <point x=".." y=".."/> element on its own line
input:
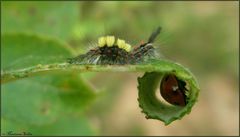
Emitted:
<point x="117" y="52"/>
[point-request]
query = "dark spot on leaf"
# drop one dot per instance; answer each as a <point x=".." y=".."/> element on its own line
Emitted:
<point x="45" y="109"/>
<point x="52" y="22"/>
<point x="32" y="11"/>
<point x="87" y="67"/>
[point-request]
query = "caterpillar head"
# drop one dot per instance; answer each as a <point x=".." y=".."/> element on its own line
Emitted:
<point x="146" y="50"/>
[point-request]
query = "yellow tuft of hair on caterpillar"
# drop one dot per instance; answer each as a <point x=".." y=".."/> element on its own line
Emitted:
<point x="101" y="41"/>
<point x="127" y="47"/>
<point x="110" y="41"/>
<point x="121" y="43"/>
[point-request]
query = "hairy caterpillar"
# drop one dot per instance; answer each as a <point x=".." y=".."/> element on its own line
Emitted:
<point x="117" y="52"/>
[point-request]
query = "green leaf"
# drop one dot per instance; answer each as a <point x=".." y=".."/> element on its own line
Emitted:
<point x="30" y="101"/>
<point x="148" y="84"/>
<point x="25" y="50"/>
<point x="49" y="18"/>
<point x="43" y="100"/>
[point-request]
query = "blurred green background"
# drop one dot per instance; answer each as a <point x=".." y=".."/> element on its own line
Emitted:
<point x="202" y="36"/>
